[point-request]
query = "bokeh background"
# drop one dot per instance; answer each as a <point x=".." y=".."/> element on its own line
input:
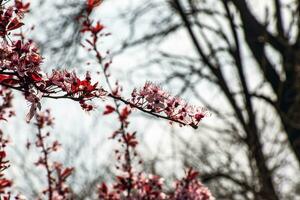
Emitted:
<point x="238" y="58"/>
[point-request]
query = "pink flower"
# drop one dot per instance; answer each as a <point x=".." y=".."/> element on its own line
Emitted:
<point x="151" y="97"/>
<point x="190" y="188"/>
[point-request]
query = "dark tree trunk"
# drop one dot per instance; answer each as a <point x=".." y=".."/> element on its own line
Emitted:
<point x="289" y="99"/>
<point x="287" y="91"/>
<point x="267" y="190"/>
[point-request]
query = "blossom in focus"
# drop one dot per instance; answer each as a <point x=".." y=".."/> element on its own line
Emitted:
<point x="152" y="98"/>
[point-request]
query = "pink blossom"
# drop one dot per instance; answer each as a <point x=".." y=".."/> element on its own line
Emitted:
<point x="190" y="188"/>
<point x="151" y="97"/>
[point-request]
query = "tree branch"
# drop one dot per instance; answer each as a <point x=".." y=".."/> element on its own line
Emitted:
<point x="256" y="35"/>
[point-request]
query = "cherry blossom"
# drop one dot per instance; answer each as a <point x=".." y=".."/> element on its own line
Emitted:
<point x="191" y="188"/>
<point x="152" y="98"/>
<point x="9" y="21"/>
<point x="150" y="187"/>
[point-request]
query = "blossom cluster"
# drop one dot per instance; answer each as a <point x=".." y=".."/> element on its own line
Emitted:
<point x="132" y="185"/>
<point x="152" y="98"/>
<point x="20" y="68"/>
<point x="151" y="187"/>
<point x="191" y="188"/>
<point x="76" y="88"/>
<point x="143" y="187"/>
<point x="22" y="58"/>
<point x="10" y="18"/>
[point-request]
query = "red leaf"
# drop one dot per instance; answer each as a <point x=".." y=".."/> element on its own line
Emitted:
<point x="4" y="183"/>
<point x="96" y="29"/>
<point x="2" y="154"/>
<point x="24" y="7"/>
<point x="4" y="77"/>
<point x="108" y="109"/>
<point x="124" y="114"/>
<point x="14" y="24"/>
<point x="103" y="188"/>
<point x="90" y="2"/>
<point x="66" y="173"/>
<point x="93" y="3"/>
<point x="36" y="77"/>
<point x="191" y="174"/>
<point x="8" y="79"/>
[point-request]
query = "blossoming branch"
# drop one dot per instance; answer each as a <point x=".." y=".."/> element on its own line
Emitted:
<point x="20" y="63"/>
